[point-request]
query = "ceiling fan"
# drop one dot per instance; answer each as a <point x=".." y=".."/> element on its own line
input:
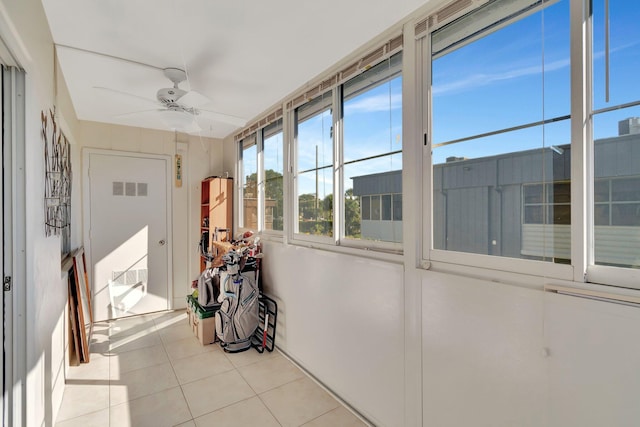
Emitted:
<point x="179" y="108"/>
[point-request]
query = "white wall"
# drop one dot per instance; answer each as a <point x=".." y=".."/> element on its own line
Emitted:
<point x="483" y="353"/>
<point x="25" y="31"/>
<point x="197" y="155"/>
<point x="341" y="317"/>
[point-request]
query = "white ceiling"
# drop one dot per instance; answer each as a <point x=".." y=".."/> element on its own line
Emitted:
<point x="243" y="55"/>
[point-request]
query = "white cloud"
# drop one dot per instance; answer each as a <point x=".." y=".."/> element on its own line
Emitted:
<point x="374" y="103"/>
<point x="476" y="80"/>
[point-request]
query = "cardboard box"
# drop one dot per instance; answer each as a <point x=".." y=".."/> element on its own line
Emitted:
<point x="202" y="320"/>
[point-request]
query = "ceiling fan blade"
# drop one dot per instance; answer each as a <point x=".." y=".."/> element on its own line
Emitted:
<point x="225" y="118"/>
<point x="140" y="113"/>
<point x="130" y="95"/>
<point x="193" y="99"/>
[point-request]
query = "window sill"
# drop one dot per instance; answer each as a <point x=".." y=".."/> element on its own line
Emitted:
<point x="371" y="253"/>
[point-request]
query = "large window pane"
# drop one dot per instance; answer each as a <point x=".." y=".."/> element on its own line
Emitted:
<point x="501" y="135"/>
<point x="623" y="53"/>
<point x="250" y="184"/>
<point x="273" y="177"/>
<point x="314" y="177"/>
<point x="617" y="187"/>
<point x="616" y="133"/>
<point x="372" y="135"/>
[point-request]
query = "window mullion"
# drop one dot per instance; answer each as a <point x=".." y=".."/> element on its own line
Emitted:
<point x="260" y="176"/>
<point x="581" y="140"/>
<point x="338" y="168"/>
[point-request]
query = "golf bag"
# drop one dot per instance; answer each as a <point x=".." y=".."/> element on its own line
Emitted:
<point x="237" y="319"/>
<point x="208" y="287"/>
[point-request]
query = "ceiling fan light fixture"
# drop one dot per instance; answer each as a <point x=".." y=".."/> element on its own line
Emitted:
<point x="178" y="120"/>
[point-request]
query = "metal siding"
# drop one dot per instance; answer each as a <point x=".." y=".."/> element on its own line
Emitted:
<point x="438" y="234"/>
<point x="467" y="220"/>
<point x="379" y="183"/>
<point x="511" y="215"/>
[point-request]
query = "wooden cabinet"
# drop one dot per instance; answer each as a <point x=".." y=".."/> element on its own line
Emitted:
<point x="216" y="210"/>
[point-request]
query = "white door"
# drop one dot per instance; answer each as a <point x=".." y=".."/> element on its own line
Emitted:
<point x="128" y="234"/>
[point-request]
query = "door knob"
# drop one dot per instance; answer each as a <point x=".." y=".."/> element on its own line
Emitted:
<point x="162" y="242"/>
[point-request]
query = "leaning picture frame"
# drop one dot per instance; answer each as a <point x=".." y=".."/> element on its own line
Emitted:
<point x="84" y="314"/>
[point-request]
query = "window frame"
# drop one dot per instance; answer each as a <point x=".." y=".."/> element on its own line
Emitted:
<point x="447" y="260"/>
<point x="582" y="270"/>
<point x="279" y="128"/>
<point x="623" y="277"/>
<point x="377" y="245"/>
<point x="257" y="138"/>
<point x="338" y="238"/>
<point x="247" y="142"/>
<point x="294" y="233"/>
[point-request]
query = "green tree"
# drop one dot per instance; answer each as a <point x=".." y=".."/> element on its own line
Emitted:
<point x="351" y="214"/>
<point x="273" y="191"/>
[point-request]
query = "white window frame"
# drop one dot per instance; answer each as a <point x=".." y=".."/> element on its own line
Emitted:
<point x="257" y="137"/>
<point x="262" y="181"/>
<point x="245" y="142"/>
<point x="338" y="239"/>
<point x="582" y="272"/>
<point x="448" y="260"/>
<point x="342" y="240"/>
<point x="294" y="233"/>
<point x="599" y="274"/>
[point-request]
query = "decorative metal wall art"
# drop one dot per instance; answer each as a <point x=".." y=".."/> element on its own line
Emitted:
<point x="57" y="187"/>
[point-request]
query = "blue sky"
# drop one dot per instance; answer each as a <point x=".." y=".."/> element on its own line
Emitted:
<point x="372" y="125"/>
<point x="513" y="76"/>
<point x="480" y="88"/>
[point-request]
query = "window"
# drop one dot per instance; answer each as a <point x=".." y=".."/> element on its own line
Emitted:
<point x="372" y="145"/>
<point x="273" y="176"/>
<point x="261" y="168"/>
<point x="340" y="145"/>
<point x="314" y="166"/>
<point x="249" y="174"/>
<point x="500" y="132"/>
<point x="368" y="168"/>
<point x="547" y="203"/>
<point x="616" y="135"/>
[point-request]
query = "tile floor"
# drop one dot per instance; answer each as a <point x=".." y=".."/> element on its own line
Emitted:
<point x="151" y="371"/>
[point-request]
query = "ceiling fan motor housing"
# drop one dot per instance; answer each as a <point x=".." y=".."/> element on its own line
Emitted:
<point x="168" y="96"/>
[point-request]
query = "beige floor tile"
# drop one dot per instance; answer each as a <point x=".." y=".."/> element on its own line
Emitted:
<point x="187" y="424"/>
<point x="200" y="366"/>
<point x="131" y="325"/>
<point x="298" y="402"/>
<point x="121" y="363"/>
<point x="94" y="419"/>
<point x="134" y="342"/>
<point x="96" y="369"/>
<point x="215" y="392"/>
<point x="142" y="382"/>
<point x="250" y="356"/>
<point x="339" y="417"/>
<point x="165" y="319"/>
<point x="187" y="347"/>
<point x="175" y="332"/>
<point x="250" y="412"/>
<point x="83" y="399"/>
<point x="166" y="408"/>
<point x="270" y="373"/>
